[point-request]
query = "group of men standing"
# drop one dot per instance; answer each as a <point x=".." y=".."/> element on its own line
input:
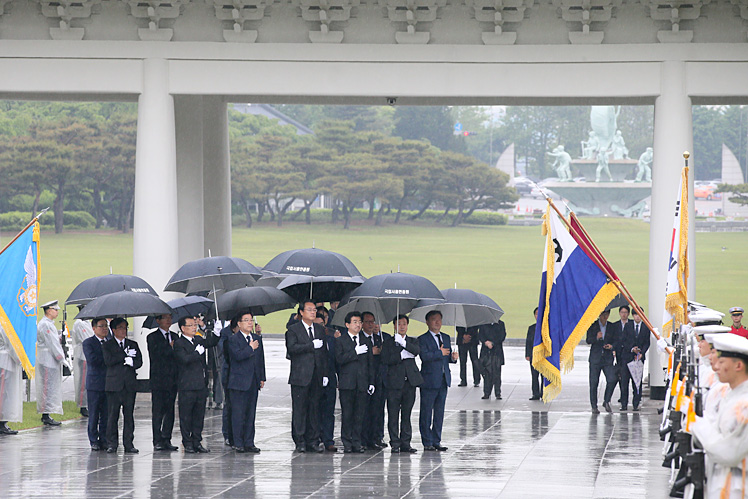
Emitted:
<point x="373" y="370"/>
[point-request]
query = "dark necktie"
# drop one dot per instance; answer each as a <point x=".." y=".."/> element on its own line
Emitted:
<point x="439" y="339"/>
<point x="311" y="333"/>
<point x="249" y="339"/>
<point x="636" y="329"/>
<point x="122" y="345"/>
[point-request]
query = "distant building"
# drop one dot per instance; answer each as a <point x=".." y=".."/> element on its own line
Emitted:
<point x="272" y="113"/>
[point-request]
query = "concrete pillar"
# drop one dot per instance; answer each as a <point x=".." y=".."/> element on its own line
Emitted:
<point x="155" y="234"/>
<point x="673" y="134"/>
<point x="216" y="177"/>
<point x="188" y="112"/>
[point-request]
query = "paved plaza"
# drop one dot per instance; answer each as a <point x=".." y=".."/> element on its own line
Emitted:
<point x="497" y="448"/>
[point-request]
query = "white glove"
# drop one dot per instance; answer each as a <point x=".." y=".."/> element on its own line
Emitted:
<point x="318" y="343"/>
<point x="361" y="349"/>
<point x="400" y="340"/>
<point x="406" y="355"/>
<point x="662" y="344"/>
<point x="128" y="361"/>
<point x="200" y="349"/>
<point x="131" y="352"/>
<point x="325" y="380"/>
<point x="67" y="364"/>
<point x="370" y="391"/>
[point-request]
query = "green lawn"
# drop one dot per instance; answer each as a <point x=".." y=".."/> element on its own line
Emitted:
<point x="503" y="262"/>
<point x="31" y="419"/>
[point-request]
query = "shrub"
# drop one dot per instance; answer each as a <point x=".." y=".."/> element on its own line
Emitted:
<point x="76" y="220"/>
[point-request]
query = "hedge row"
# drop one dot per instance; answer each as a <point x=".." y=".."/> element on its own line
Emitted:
<point x="17" y="220"/>
<point x="323" y="215"/>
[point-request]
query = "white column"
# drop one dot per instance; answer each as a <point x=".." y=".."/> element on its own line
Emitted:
<point x="216" y="177"/>
<point x="155" y="236"/>
<point x="673" y="134"/>
<point x="188" y="112"/>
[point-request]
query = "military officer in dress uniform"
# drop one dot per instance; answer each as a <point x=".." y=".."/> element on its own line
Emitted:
<point x="11" y="385"/>
<point x="737" y="318"/>
<point x="49" y="360"/>
<point x="725" y="440"/>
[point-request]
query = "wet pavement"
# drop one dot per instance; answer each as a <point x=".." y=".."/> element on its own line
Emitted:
<point x="497" y="448"/>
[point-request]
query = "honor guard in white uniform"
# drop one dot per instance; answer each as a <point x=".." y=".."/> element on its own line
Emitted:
<point x="725" y="440"/>
<point x="11" y="385"/>
<point x="49" y="360"/>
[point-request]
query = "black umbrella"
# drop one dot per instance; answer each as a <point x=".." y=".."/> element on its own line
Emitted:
<point x="260" y="300"/>
<point x="189" y="306"/>
<point x="124" y="304"/>
<point x="313" y="262"/>
<point x="386" y="296"/>
<point x="616" y="302"/>
<point x="319" y="289"/>
<point x="107" y="284"/>
<point x="213" y="273"/>
<point x="461" y="307"/>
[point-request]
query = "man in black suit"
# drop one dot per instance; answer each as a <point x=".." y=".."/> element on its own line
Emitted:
<point x="467" y="345"/>
<point x="163" y="372"/>
<point x="192" y="382"/>
<point x="604" y="337"/>
<point x="96" y="384"/>
<point x="246" y="378"/>
<point x="633" y="346"/>
<point x="122" y="358"/>
<point x="537" y="382"/>
<point x="373" y="431"/>
<point x="304" y="347"/>
<point x="355" y="381"/>
<point x="329" y="392"/>
<point x="226" y="334"/>
<point x="623" y="313"/>
<point x="399" y="354"/>
<point x="492" y="338"/>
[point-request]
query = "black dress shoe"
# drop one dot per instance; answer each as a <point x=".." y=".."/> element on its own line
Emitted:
<point x="111" y="450"/>
<point x="395" y="450"/>
<point x="382" y="444"/>
<point x="300" y="449"/>
<point x="189" y="450"/>
<point x="5" y="430"/>
<point x="623" y="409"/>
<point x="315" y="448"/>
<point x="50" y="422"/>
<point x="429" y="447"/>
<point x="485" y="397"/>
<point x="636" y="408"/>
<point x="361" y="450"/>
<point x="95" y="447"/>
<point x="409" y="450"/>
<point x="534" y="398"/>
<point x="253" y="449"/>
<point x="84" y="412"/>
<point x="476" y="385"/>
<point x="228" y="443"/>
<point x="595" y="410"/>
<point x="440" y="448"/>
<point x="347" y="451"/>
<point x="131" y="450"/>
<point x="498" y="397"/>
<point x="463" y="383"/>
<point x="168" y="446"/>
<point x="606" y="406"/>
<point x="331" y="448"/>
<point x="159" y="447"/>
<point x="201" y="449"/>
<point x="240" y="450"/>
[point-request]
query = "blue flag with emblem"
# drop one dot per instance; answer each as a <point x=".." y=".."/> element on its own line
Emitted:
<point x="19" y="287"/>
<point x="573" y="293"/>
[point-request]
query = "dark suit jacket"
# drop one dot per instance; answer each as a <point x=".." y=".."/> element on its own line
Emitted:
<point x="496" y="334"/>
<point x="472" y="331"/>
<point x="598" y="354"/>
<point x="530" y="341"/>
<point x="96" y="367"/>
<point x="332" y="364"/>
<point x="247" y="364"/>
<point x="306" y="361"/>
<point x="119" y="376"/>
<point x="356" y="371"/>
<point x="434" y="365"/>
<point x="223" y="344"/>
<point x="399" y="369"/>
<point x="192" y="374"/>
<point x="380" y="369"/>
<point x="629" y="339"/>
<point x="163" y="369"/>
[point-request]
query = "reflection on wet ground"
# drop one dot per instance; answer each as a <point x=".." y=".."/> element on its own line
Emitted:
<point x="508" y="448"/>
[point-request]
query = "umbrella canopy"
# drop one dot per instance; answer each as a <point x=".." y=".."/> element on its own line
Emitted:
<point x="618" y="301"/>
<point x="107" y="284"/>
<point x="260" y="300"/>
<point x="386" y="296"/>
<point x="461" y="307"/>
<point x="311" y="261"/>
<point x="324" y="288"/>
<point x="124" y="304"/>
<point x="189" y="306"/>
<point x="215" y="272"/>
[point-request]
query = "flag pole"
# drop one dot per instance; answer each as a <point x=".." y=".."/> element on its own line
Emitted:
<point x="33" y="220"/>
<point x="602" y="265"/>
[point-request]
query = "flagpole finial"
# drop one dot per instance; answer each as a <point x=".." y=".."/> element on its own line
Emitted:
<point x="686" y="154"/>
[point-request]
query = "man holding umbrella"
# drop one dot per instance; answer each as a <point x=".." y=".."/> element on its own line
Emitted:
<point x="436" y="355"/>
<point x="163" y="375"/>
<point x="309" y="363"/>
<point x="192" y="383"/>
